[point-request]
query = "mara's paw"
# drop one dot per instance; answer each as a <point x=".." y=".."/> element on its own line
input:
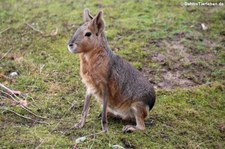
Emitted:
<point x="129" y="128"/>
<point x="105" y="130"/>
<point x="79" y="125"/>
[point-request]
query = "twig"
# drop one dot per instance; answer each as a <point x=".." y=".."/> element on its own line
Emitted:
<point x="2" y="97"/>
<point x="41" y="67"/>
<point x="25" y="117"/>
<point x="27" y="96"/>
<point x="17" y="102"/>
<point x="9" y="90"/>
<point x="94" y="134"/>
<point x="5" y="30"/>
<point x="34" y="28"/>
<point x="22" y="106"/>
<point x="6" y="54"/>
<point x="39" y="145"/>
<point x="26" y="108"/>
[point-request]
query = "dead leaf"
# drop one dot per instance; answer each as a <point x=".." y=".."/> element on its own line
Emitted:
<point x="16" y="92"/>
<point x="23" y="102"/>
<point x="54" y="32"/>
<point x="79" y="140"/>
<point x="204" y="27"/>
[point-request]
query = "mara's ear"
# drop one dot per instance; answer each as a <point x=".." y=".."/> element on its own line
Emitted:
<point x="98" y="23"/>
<point x="86" y="15"/>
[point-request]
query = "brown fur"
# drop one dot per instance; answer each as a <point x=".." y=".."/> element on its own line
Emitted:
<point x="93" y="77"/>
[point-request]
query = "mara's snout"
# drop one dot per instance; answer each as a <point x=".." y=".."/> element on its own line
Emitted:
<point x="72" y="47"/>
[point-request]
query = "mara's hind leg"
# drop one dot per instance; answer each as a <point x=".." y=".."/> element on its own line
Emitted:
<point x="140" y="111"/>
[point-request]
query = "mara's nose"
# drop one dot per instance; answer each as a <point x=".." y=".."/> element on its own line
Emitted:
<point x="72" y="47"/>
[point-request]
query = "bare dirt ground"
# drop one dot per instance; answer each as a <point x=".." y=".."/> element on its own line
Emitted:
<point x="180" y="64"/>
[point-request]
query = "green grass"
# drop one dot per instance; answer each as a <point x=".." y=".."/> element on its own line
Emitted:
<point x="155" y="37"/>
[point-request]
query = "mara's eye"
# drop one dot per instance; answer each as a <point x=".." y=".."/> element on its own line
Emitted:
<point x="88" y="34"/>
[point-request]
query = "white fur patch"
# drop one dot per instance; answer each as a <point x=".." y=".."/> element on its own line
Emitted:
<point x="72" y="49"/>
<point x="123" y="114"/>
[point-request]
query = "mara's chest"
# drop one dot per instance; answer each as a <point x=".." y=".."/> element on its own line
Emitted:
<point x="94" y="73"/>
<point x="91" y="81"/>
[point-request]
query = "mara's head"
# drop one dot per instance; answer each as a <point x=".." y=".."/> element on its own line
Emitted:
<point x="88" y="36"/>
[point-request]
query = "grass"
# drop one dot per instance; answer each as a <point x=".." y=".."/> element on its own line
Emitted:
<point x="155" y="37"/>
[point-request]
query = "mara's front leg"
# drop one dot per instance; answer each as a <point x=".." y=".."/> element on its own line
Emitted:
<point x="85" y="111"/>
<point x="104" y="110"/>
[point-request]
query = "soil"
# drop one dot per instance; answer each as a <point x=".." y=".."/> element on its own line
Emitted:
<point x="181" y="65"/>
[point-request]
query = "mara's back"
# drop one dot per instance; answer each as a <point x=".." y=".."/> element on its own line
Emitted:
<point x="128" y="85"/>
